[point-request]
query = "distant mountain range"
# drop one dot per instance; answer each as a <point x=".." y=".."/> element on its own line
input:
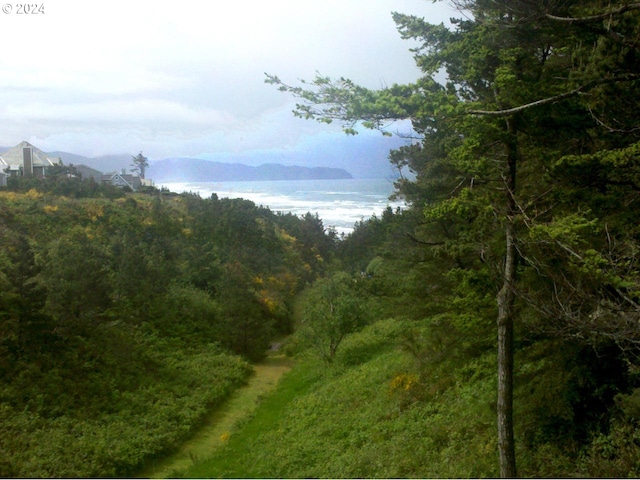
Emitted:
<point x="104" y="163"/>
<point x="186" y="169"/>
<point x="362" y="156"/>
<point x="197" y="170"/>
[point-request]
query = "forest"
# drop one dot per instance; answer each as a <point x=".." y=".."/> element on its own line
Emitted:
<point x="488" y="329"/>
<point x="126" y="317"/>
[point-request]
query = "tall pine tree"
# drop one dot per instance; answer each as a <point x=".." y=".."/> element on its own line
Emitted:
<point x="534" y="90"/>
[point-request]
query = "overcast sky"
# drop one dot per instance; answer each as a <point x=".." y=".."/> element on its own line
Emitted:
<point x="186" y="78"/>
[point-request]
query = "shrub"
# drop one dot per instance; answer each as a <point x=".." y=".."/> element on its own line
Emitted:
<point x="361" y="346"/>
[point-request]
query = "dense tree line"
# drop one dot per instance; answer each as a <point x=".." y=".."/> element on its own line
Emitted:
<point x="522" y="233"/>
<point x="124" y="316"/>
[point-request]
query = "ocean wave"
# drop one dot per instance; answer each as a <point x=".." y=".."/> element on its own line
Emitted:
<point x="339" y="208"/>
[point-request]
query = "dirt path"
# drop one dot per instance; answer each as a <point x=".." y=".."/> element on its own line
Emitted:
<point x="219" y="424"/>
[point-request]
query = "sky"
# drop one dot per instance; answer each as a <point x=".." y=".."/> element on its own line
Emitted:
<point x="186" y="78"/>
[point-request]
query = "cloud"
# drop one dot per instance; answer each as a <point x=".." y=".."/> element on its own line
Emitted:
<point x="177" y="79"/>
<point x="154" y="113"/>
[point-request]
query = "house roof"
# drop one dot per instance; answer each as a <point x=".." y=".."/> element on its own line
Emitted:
<point x="132" y="181"/>
<point x="13" y="157"/>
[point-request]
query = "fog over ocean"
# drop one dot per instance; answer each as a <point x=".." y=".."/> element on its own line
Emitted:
<point x="339" y="203"/>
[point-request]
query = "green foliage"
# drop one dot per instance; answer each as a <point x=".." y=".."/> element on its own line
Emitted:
<point x="135" y="424"/>
<point x="364" y="417"/>
<point x="415" y="399"/>
<point x="232" y="460"/>
<point x="360" y="347"/>
<point x="333" y="308"/>
<point x="188" y="313"/>
<point x="76" y="290"/>
<point x="526" y="182"/>
<point x="121" y="319"/>
<point x="614" y="454"/>
<point x="120" y="314"/>
<point x="63" y="180"/>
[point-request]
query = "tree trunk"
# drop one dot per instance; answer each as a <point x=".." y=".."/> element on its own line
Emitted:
<point x="505" y="300"/>
<point x="505" y="362"/>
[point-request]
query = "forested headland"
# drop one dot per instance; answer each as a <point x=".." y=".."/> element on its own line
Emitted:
<point x="488" y="329"/>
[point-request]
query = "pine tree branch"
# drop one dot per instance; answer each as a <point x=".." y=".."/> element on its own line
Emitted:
<point x="587" y="86"/>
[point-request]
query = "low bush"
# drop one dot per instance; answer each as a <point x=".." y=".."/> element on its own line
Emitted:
<point x="139" y="424"/>
<point x="361" y="346"/>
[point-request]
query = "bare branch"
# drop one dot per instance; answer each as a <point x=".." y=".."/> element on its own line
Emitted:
<point x="611" y="129"/>
<point x="556" y="98"/>
<point x="422" y="242"/>
<point x="595" y="18"/>
<point x="521" y="108"/>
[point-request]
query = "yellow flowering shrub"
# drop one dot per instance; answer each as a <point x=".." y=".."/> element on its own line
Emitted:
<point x="50" y="208"/>
<point x="404" y="382"/>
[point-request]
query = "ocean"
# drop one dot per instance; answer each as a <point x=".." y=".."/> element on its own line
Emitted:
<point x="339" y="203"/>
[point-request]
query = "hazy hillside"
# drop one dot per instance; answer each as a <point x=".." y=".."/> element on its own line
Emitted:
<point x="88" y="172"/>
<point x="192" y="169"/>
<point x="364" y="156"/>
<point x="104" y="163"/>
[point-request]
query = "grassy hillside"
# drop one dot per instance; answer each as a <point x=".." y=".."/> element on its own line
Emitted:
<point x="214" y="432"/>
<point x="116" y="429"/>
<point x="367" y="415"/>
<point x="377" y="412"/>
<point x="124" y="318"/>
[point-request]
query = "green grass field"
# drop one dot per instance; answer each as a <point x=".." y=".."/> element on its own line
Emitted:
<point x="219" y="426"/>
<point x="231" y="461"/>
